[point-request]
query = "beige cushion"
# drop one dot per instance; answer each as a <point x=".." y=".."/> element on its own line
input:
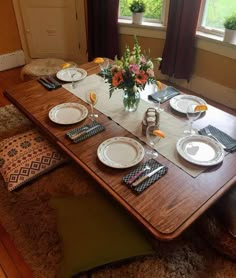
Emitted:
<point x="26" y="156"/>
<point x="40" y="67"/>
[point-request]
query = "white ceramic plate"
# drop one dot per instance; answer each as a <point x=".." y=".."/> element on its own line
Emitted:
<point x="200" y="150"/>
<point x="71" y="74"/>
<point x="181" y="102"/>
<point x="68" y="113"/>
<point x="120" y="152"/>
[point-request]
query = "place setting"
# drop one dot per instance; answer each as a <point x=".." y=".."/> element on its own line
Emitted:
<point x="207" y="146"/>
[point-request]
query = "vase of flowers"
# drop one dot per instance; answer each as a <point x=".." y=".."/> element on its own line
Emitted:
<point x="131" y="73"/>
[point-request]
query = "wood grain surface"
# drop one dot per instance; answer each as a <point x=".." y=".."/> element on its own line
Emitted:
<point x="167" y="207"/>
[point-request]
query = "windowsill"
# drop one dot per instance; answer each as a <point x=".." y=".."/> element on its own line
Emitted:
<point x="208" y="42"/>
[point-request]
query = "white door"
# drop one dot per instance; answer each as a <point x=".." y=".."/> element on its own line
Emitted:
<point x="55" y="29"/>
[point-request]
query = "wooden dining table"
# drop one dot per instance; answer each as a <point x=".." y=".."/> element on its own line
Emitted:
<point x="172" y="203"/>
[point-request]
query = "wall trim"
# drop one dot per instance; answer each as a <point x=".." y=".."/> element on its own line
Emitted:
<point x="12" y="60"/>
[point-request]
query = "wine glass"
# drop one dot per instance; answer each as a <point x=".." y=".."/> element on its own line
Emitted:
<point x="192" y="114"/>
<point x="104" y="66"/>
<point x="159" y="88"/>
<point x="92" y="98"/>
<point x="72" y="69"/>
<point x="152" y="139"/>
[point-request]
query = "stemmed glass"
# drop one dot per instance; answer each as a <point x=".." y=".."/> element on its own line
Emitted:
<point x="72" y="71"/>
<point x="192" y="114"/>
<point x="157" y="104"/>
<point x="92" y="99"/>
<point x="104" y="66"/>
<point x="152" y="139"/>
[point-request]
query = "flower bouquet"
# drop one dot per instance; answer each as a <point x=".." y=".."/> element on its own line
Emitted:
<point x="131" y="73"/>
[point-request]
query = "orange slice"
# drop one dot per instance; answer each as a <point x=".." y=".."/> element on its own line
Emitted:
<point x="159" y="133"/>
<point x="159" y="85"/>
<point x="98" y="60"/>
<point x="93" y="97"/>
<point x="200" y="107"/>
<point x="65" y="65"/>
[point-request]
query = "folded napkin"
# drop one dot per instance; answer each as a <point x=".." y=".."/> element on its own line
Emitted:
<point x="225" y="139"/>
<point x="149" y="181"/>
<point x="81" y="133"/>
<point x="164" y="95"/>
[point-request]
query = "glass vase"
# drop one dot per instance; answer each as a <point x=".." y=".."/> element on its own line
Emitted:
<point x="131" y="99"/>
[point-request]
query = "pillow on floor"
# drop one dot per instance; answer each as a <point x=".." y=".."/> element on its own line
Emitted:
<point x="25" y="156"/>
<point x="95" y="231"/>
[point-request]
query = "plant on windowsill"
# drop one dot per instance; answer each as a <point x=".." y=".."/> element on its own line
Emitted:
<point x="137" y="7"/>
<point x="230" y="29"/>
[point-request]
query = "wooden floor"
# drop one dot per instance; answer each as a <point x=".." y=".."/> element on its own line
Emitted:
<point x="12" y="264"/>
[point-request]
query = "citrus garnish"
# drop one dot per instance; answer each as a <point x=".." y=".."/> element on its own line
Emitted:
<point x="200" y="107"/>
<point x="93" y="97"/>
<point x="159" y="85"/>
<point x="159" y="133"/>
<point x="98" y="60"/>
<point x="65" y="65"/>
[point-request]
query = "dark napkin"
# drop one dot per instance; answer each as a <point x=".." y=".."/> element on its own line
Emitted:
<point x="99" y="127"/>
<point x="164" y="95"/>
<point x="145" y="184"/>
<point x="225" y="139"/>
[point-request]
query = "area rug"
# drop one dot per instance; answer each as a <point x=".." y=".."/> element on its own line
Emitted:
<point x="31" y="223"/>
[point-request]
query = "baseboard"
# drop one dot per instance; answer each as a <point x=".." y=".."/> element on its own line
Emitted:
<point x="206" y="88"/>
<point x="12" y="60"/>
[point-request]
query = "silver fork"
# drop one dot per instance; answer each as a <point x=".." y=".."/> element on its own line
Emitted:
<point x="213" y="137"/>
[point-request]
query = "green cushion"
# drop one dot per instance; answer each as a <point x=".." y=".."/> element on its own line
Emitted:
<point x="95" y="231"/>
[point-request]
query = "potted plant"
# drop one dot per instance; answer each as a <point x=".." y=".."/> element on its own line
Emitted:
<point x="137" y="8"/>
<point x="230" y="29"/>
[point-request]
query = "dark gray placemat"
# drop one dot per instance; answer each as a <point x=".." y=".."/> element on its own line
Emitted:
<point x="145" y="184"/>
<point x="164" y="95"/>
<point x="98" y="128"/>
<point x="225" y="139"/>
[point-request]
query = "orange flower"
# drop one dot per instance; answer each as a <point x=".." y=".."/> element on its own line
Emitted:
<point x="117" y="79"/>
<point x="141" y="78"/>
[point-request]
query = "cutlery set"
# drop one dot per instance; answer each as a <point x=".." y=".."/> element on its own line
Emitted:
<point x="49" y="82"/>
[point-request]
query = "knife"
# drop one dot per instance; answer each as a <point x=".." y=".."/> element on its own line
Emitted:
<point x="137" y="182"/>
<point x="75" y="136"/>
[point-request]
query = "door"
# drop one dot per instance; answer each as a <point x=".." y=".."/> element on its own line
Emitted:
<point x="55" y="28"/>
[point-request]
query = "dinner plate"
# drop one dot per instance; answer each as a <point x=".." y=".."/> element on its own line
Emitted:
<point x="181" y="102"/>
<point x="68" y="113"/>
<point x="120" y="152"/>
<point x="71" y="74"/>
<point x="200" y="150"/>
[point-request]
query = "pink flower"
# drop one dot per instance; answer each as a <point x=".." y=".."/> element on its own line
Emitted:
<point x="134" y="68"/>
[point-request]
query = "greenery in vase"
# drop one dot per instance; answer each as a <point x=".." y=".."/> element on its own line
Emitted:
<point x="230" y="22"/>
<point x="137" y="6"/>
<point x="133" y="71"/>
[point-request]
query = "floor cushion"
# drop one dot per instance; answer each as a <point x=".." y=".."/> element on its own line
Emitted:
<point x="26" y="156"/>
<point x="40" y="67"/>
<point x="95" y="231"/>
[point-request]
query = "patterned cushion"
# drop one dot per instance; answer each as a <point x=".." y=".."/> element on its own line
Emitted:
<point x="25" y="156"/>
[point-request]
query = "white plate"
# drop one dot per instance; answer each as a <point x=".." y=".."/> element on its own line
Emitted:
<point x="120" y="152"/>
<point x="71" y="74"/>
<point x="68" y="113"/>
<point x="181" y="102"/>
<point x="200" y="150"/>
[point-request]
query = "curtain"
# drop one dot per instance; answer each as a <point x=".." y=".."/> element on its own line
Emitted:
<point x="179" y="49"/>
<point x="102" y="17"/>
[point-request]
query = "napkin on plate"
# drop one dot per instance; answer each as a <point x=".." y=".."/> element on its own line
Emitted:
<point x="146" y="183"/>
<point x="225" y="139"/>
<point x="84" y="131"/>
<point x="164" y="95"/>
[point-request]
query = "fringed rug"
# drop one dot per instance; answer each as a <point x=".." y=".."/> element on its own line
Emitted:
<point x="31" y="223"/>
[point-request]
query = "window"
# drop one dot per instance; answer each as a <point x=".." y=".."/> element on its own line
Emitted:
<point x="213" y="13"/>
<point x="155" y="10"/>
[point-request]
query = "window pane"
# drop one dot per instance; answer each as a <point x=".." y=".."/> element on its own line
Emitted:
<point x="215" y="12"/>
<point x="153" y="9"/>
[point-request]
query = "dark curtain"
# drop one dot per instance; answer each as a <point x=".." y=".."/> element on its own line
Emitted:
<point x="179" y="50"/>
<point x="102" y="30"/>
